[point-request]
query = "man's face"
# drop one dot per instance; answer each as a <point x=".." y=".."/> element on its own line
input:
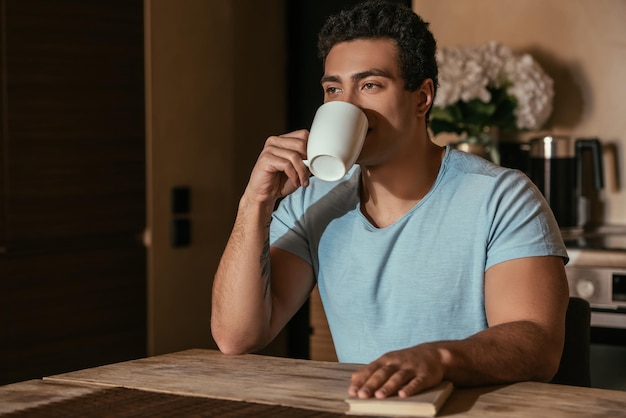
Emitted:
<point x="366" y="73"/>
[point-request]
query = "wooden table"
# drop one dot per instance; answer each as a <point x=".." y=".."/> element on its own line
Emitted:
<point x="308" y="385"/>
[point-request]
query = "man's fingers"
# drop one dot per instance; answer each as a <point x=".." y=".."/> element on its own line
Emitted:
<point x="359" y="378"/>
<point x="372" y="380"/>
<point x="395" y="382"/>
<point x="414" y="386"/>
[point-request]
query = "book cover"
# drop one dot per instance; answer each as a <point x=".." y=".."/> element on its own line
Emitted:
<point x="426" y="403"/>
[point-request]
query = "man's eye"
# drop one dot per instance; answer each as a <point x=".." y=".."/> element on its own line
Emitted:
<point x="332" y="90"/>
<point x="369" y="86"/>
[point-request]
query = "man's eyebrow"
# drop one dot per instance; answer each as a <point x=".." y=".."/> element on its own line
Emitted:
<point x="369" y="73"/>
<point x="357" y="76"/>
<point x="330" y="79"/>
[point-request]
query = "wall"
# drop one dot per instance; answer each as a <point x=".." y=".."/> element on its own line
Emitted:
<point x="581" y="44"/>
<point x="214" y="92"/>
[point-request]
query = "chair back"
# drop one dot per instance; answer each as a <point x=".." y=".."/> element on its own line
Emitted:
<point x="574" y="368"/>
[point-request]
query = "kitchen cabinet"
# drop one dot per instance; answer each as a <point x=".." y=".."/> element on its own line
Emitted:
<point x="321" y="346"/>
<point x="72" y="185"/>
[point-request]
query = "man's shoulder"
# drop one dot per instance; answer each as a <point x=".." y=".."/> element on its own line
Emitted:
<point x="473" y="164"/>
<point x="464" y="163"/>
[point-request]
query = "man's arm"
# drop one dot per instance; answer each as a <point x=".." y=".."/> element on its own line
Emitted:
<point x="257" y="289"/>
<point x="525" y="301"/>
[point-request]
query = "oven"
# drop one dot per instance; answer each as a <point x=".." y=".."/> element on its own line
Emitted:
<point x="597" y="272"/>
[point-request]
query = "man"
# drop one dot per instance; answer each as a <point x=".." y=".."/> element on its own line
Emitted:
<point x="432" y="264"/>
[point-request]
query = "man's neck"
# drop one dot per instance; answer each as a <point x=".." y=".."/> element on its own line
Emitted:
<point x="389" y="191"/>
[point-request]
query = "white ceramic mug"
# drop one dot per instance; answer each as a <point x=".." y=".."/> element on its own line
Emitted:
<point x="335" y="139"/>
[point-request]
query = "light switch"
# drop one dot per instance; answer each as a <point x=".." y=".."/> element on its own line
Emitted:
<point x="181" y="232"/>
<point x="181" y="200"/>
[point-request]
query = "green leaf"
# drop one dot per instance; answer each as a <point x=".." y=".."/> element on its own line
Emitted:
<point x="471" y="118"/>
<point x="441" y="113"/>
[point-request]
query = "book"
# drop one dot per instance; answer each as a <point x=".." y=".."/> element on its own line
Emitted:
<point x="426" y="403"/>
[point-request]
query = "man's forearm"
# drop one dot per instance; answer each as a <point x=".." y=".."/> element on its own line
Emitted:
<point x="509" y="352"/>
<point x="241" y="306"/>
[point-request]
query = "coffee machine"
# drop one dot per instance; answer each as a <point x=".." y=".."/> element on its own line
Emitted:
<point x="556" y="167"/>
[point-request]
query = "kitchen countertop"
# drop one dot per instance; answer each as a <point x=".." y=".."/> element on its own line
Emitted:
<point x="599" y="246"/>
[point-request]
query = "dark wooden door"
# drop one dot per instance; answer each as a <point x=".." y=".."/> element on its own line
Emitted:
<point x="72" y="185"/>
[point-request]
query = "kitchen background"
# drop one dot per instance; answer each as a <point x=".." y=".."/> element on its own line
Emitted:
<point x="219" y="77"/>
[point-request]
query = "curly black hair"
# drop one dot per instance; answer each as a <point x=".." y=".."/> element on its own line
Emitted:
<point x="386" y="20"/>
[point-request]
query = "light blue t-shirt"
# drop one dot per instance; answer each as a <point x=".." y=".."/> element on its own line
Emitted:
<point x="420" y="279"/>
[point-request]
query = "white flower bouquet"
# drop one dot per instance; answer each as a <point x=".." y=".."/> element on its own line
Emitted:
<point x="487" y="87"/>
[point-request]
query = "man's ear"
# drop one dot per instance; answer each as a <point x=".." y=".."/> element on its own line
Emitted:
<point x="425" y="97"/>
